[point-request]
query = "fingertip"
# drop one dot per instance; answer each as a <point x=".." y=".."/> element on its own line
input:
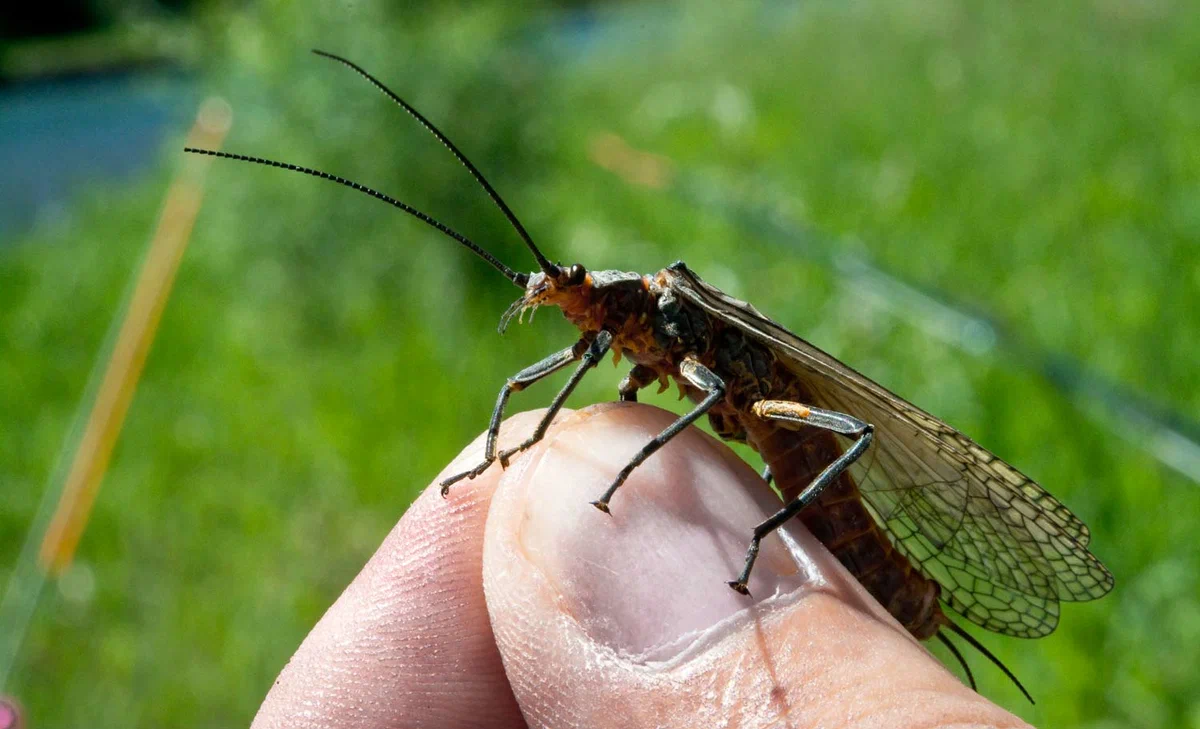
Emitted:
<point x="410" y="636"/>
<point x="635" y="610"/>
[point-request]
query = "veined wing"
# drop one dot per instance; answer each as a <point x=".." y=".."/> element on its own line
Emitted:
<point x="1004" y="550"/>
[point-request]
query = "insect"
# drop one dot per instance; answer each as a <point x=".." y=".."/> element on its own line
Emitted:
<point x="930" y="518"/>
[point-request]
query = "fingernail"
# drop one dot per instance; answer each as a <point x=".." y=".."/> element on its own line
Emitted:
<point x="650" y="580"/>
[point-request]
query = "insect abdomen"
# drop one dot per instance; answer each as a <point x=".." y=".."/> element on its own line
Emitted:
<point x="887" y="575"/>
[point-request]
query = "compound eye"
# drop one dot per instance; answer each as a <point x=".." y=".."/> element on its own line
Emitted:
<point x="575" y="275"/>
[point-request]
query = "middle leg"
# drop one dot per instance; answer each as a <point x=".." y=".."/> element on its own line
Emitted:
<point x="699" y="376"/>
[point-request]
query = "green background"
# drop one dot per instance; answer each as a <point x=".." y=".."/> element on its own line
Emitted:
<point x="323" y="356"/>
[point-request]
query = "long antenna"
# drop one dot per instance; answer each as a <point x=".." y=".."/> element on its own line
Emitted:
<point x="542" y="261"/>
<point x="987" y="654"/>
<point x="520" y="279"/>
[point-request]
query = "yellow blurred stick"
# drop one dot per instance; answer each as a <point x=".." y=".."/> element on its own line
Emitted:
<point x="133" y="342"/>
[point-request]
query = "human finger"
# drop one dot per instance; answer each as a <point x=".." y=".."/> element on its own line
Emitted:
<point x="626" y="620"/>
<point x="409" y="643"/>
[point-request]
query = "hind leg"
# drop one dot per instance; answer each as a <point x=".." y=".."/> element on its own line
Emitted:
<point x="795" y="412"/>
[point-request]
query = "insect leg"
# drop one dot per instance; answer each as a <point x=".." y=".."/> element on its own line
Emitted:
<point x="638" y="377"/>
<point x="696" y="374"/>
<point x="595" y="352"/>
<point x="517" y="382"/>
<point x="767" y="476"/>
<point x="796" y="413"/>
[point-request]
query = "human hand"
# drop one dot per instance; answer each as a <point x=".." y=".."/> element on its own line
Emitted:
<point x="514" y="603"/>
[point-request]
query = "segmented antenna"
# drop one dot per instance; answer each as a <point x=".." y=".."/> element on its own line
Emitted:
<point x="519" y="279"/>
<point x="543" y="263"/>
<point x="986" y="653"/>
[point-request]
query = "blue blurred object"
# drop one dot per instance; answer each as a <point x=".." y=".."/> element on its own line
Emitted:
<point x="57" y="135"/>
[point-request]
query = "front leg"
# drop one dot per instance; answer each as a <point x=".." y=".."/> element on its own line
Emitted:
<point x="595" y="352"/>
<point x="520" y="381"/>
<point x="699" y="376"/>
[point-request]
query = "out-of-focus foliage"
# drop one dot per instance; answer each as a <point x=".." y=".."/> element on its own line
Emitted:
<point x="323" y="356"/>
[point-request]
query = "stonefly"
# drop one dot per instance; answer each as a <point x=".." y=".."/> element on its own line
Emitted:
<point x="931" y="518"/>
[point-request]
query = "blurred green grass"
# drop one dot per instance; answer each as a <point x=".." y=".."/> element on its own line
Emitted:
<point x="322" y="357"/>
